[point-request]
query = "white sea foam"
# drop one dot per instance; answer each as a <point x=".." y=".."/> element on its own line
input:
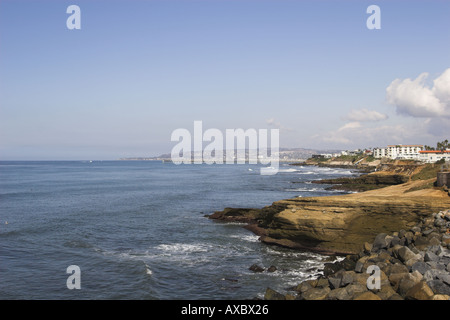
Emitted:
<point x="182" y="248"/>
<point x="304" y="190"/>
<point x="308" y="172"/>
<point x="249" y="238"/>
<point x="148" y="270"/>
<point x="288" y="170"/>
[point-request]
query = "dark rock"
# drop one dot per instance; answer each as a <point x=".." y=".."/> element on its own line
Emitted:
<point x="380" y="242"/>
<point x="256" y="268"/>
<point x="430" y="256"/>
<point x="422" y="267"/>
<point x="335" y="282"/>
<point x="347" y="278"/>
<point x="409" y="238"/>
<point x="444" y="278"/>
<point x="422" y="243"/>
<point x="428" y="231"/>
<point x="396" y="241"/>
<point x="359" y="267"/>
<point x="439" y="222"/>
<point x="331" y="268"/>
<point x="439" y="287"/>
<point x="348" y="264"/>
<point x="272" y="269"/>
<point x="416" y="229"/>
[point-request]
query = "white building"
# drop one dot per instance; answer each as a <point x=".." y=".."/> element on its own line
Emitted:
<point x="404" y="152"/>
<point x="379" y="153"/>
<point x="431" y="156"/>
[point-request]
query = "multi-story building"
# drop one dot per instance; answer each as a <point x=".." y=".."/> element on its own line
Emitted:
<point x="405" y="152"/>
<point x="431" y="156"/>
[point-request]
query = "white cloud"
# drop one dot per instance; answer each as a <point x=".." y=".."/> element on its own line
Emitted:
<point x="349" y="126"/>
<point x="273" y="123"/>
<point x="354" y="134"/>
<point x="414" y="98"/>
<point x="365" y="115"/>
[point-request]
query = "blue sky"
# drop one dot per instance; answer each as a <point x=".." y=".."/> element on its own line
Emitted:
<point x="138" y="70"/>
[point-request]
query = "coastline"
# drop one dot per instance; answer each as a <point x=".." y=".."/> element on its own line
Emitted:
<point x="341" y="225"/>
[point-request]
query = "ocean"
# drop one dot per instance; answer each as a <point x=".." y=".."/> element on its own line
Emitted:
<point x="137" y="230"/>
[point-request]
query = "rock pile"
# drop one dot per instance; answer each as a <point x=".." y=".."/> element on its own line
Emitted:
<point x="408" y="265"/>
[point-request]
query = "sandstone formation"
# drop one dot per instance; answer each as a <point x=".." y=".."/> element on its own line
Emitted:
<point x="340" y="224"/>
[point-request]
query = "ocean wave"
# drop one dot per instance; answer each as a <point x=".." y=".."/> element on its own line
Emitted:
<point x="249" y="238"/>
<point x="309" y="172"/>
<point x="182" y="248"/>
<point x="305" y="190"/>
<point x="288" y="170"/>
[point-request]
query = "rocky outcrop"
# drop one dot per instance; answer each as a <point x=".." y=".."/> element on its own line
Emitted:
<point x="339" y="224"/>
<point x="364" y="182"/>
<point x="404" y="265"/>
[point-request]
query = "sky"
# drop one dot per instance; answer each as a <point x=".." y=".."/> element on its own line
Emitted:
<point x="137" y="70"/>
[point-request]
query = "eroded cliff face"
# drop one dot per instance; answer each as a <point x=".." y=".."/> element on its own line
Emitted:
<point x="340" y="224"/>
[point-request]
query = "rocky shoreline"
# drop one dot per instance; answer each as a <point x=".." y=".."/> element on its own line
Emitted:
<point x="405" y="229"/>
<point x="413" y="264"/>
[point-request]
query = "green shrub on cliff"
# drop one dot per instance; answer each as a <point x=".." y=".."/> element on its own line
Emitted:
<point x="428" y="171"/>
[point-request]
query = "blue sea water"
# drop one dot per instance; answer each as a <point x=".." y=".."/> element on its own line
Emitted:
<point x="137" y="229"/>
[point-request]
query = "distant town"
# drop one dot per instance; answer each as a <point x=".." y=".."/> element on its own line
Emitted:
<point x="416" y="152"/>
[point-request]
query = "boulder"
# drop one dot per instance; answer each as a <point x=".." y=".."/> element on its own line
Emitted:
<point x="339" y="294"/>
<point x="356" y="289"/>
<point x="403" y="253"/>
<point x="304" y="286"/>
<point x="273" y="295"/>
<point x="420" y="291"/>
<point x="322" y="283"/>
<point x="430" y="256"/>
<point x="347" y="278"/>
<point x="385" y="292"/>
<point x="316" y="293"/>
<point x="272" y="269"/>
<point x="422" y="243"/>
<point x="330" y="268"/>
<point x="367" y="296"/>
<point x="335" y="282"/>
<point x="348" y="264"/>
<point x="256" y="268"/>
<point x="407" y="282"/>
<point x="444" y="278"/>
<point x="398" y="268"/>
<point x="380" y="242"/>
<point x="396" y="296"/>
<point x="440" y="297"/>
<point x="439" y="287"/>
<point x="421" y="267"/>
<point x="359" y="266"/>
<point x="367" y="247"/>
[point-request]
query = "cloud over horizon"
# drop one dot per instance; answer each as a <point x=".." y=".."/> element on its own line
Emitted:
<point x="416" y="99"/>
<point x="364" y="115"/>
